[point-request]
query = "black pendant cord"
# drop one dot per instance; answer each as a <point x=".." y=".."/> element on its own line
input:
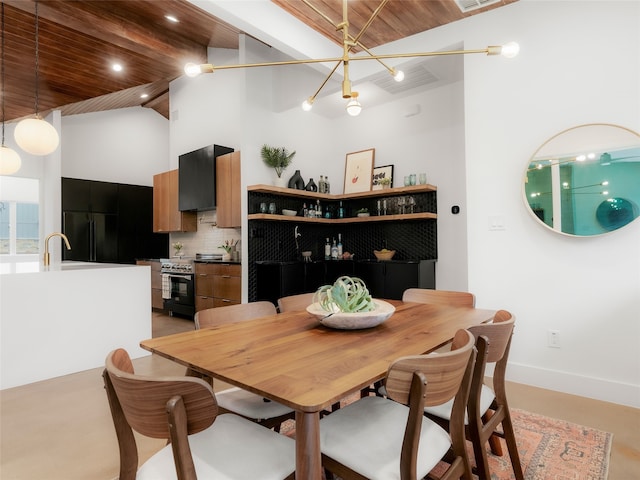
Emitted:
<point x="3" y="117"/>
<point x="37" y="52"/>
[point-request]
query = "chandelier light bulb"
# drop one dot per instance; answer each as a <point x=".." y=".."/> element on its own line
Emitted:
<point x="36" y="136"/>
<point x="353" y="106"/>
<point x="307" y="105"/>
<point x="192" y="70"/>
<point x="510" y="50"/>
<point x="9" y="161"/>
<point x="398" y="75"/>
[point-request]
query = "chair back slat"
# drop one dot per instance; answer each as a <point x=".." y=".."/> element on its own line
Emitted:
<point x="144" y="399"/>
<point x="444" y="372"/>
<point x="498" y="333"/>
<point x="212" y="317"/>
<point x="295" y="302"/>
<point x="442" y="297"/>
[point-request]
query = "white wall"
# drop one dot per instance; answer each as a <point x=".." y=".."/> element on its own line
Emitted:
<point x="129" y="145"/>
<point x="571" y="72"/>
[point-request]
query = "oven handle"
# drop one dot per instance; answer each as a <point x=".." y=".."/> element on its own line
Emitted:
<point x="185" y="277"/>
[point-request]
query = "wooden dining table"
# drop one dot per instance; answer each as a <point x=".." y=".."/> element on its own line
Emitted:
<point x="293" y="359"/>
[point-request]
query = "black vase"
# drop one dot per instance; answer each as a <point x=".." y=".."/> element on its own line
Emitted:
<point x="311" y="186"/>
<point x="296" y="181"/>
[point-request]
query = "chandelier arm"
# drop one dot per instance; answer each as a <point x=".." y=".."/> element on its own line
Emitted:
<point x="371" y="19"/>
<point x="373" y="56"/>
<point x="340" y="59"/>
<point x="313" y="97"/>
<point x="312" y="7"/>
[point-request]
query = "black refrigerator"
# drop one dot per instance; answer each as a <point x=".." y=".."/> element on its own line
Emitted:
<point x="93" y="236"/>
<point x="109" y="222"/>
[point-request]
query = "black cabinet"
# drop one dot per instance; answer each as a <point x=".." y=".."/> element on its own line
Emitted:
<point x="89" y="196"/>
<point x="279" y="279"/>
<point x="391" y="278"/>
<point x="197" y="178"/>
<point x="109" y="222"/>
<point x="383" y="279"/>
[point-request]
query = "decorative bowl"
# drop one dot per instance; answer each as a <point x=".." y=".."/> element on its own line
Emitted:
<point x="353" y="321"/>
<point x="289" y="213"/>
<point x="384" y="255"/>
<point x="363" y="214"/>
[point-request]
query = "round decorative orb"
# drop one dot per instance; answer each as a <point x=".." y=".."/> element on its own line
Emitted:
<point x="36" y="136"/>
<point x="353" y="321"/>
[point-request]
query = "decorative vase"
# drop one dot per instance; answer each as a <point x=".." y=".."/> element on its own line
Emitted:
<point x="311" y="186"/>
<point x="280" y="182"/>
<point x="296" y="181"/>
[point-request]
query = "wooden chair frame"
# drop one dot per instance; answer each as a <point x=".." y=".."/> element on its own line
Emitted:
<point x="407" y="384"/>
<point x="443" y="297"/>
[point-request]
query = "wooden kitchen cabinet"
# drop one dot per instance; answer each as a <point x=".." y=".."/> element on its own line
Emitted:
<point x="228" y="190"/>
<point x="166" y="215"/>
<point x="217" y="285"/>
<point x="157" y="302"/>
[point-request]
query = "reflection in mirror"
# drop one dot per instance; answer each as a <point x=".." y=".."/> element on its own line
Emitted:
<point x="586" y="180"/>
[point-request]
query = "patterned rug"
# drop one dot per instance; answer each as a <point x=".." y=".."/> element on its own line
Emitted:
<point x="549" y="449"/>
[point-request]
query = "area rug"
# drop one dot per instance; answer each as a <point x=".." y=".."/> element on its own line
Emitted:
<point x="549" y="449"/>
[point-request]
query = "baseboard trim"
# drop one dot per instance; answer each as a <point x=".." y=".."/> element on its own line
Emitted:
<point x="590" y="387"/>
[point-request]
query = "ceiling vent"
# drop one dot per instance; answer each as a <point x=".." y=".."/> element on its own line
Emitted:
<point x="468" y="5"/>
<point x="415" y="75"/>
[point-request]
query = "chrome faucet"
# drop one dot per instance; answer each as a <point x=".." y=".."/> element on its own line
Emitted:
<point x="46" y="245"/>
<point x="296" y="234"/>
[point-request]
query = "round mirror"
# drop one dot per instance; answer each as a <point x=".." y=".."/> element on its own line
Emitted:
<point x="586" y="180"/>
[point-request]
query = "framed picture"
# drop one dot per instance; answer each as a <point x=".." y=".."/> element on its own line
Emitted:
<point x="382" y="177"/>
<point x="358" y="171"/>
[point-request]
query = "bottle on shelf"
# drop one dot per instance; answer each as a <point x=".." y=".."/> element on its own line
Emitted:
<point x="339" y="245"/>
<point x="318" y="209"/>
<point x="327" y="185"/>
<point x="334" y="250"/>
<point x="321" y="185"/>
<point x="327" y="250"/>
<point x="340" y="210"/>
<point x="305" y="211"/>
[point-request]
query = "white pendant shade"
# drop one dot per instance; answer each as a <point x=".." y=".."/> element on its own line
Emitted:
<point x="9" y="161"/>
<point x="36" y="136"/>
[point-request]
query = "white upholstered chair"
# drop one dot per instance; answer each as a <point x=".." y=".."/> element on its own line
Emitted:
<point x="236" y="400"/>
<point x="202" y="443"/>
<point x="390" y="438"/>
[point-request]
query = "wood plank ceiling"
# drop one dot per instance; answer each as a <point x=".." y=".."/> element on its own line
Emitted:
<point x="79" y="40"/>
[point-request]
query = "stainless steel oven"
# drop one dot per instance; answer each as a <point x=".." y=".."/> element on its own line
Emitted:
<point x="178" y="288"/>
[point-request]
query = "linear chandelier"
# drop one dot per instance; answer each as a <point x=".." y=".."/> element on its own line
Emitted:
<point x="353" y="106"/>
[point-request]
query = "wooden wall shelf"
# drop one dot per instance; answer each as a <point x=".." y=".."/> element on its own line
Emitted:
<point x="372" y="218"/>
<point x="303" y="194"/>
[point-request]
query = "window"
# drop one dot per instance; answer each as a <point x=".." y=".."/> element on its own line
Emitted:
<point x="19" y="216"/>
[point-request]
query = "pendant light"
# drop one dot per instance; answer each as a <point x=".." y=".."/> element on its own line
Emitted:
<point x="9" y="158"/>
<point x="353" y="106"/>
<point x="36" y="135"/>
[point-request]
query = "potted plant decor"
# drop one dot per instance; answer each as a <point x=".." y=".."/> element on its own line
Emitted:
<point x="277" y="158"/>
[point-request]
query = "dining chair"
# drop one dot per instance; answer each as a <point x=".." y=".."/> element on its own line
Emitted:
<point x="442" y="297"/>
<point x="236" y="400"/>
<point x="295" y="302"/>
<point x="201" y="442"/>
<point x="488" y="407"/>
<point x="390" y="438"/>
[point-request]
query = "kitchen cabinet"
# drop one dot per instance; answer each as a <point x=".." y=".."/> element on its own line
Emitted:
<point x="228" y="190"/>
<point x="389" y="279"/>
<point x="166" y="215"/>
<point x="217" y="284"/>
<point x="80" y="195"/>
<point x="157" y="302"/>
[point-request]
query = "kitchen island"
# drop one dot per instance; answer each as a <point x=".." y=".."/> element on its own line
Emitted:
<point x="66" y="317"/>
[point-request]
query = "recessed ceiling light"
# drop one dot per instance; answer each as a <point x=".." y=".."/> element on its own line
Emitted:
<point x="117" y="67"/>
<point x="171" y="18"/>
<point x="144" y="95"/>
